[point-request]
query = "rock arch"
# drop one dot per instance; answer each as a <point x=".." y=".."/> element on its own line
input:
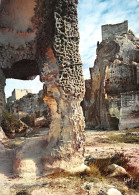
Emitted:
<point x="49" y="37"/>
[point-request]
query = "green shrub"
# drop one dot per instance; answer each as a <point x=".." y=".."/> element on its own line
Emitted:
<point x="102" y="163"/>
<point x="131" y="32"/>
<point x="27" y="120"/>
<point x="120" y="159"/>
<point x="40" y="101"/>
<point x="45" y="113"/>
<point x="125" y="138"/>
<point x="10" y="123"/>
<point x="37" y="114"/>
<point x="23" y="192"/>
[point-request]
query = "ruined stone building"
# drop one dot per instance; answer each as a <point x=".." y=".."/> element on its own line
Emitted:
<point x="17" y="94"/>
<point x="112" y="94"/>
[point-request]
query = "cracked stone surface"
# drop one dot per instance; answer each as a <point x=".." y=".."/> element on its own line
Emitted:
<point x="112" y="94"/>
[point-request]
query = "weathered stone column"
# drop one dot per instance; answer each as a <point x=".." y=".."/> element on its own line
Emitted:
<point x="2" y="93"/>
<point x="62" y="73"/>
<point x="57" y="53"/>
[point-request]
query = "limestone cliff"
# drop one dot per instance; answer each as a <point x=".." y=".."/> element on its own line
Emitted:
<point x="114" y="83"/>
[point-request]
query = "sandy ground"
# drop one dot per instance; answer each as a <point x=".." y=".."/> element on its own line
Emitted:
<point x="96" y="146"/>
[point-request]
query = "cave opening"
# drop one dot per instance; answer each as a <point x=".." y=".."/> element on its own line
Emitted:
<point x="32" y="84"/>
<point x="23" y="69"/>
<point x="23" y="74"/>
<point x="23" y="105"/>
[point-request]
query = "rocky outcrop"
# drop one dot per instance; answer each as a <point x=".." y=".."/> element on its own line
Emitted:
<point x="42" y="38"/>
<point x="2" y="94"/>
<point x="41" y="122"/>
<point x="31" y="105"/>
<point x="116" y="170"/>
<point x="2" y="134"/>
<point x="114" y="96"/>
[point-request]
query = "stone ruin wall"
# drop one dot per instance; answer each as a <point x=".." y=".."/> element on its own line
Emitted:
<point x="114" y="80"/>
<point x="110" y="30"/>
<point x="2" y="93"/>
<point x="17" y="94"/>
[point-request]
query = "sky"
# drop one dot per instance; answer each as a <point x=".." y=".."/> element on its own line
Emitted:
<point x="92" y="14"/>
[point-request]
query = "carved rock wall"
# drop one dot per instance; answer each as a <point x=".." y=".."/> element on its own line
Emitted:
<point x="114" y="80"/>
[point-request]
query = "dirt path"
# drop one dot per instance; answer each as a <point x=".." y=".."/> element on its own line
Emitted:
<point x="98" y="145"/>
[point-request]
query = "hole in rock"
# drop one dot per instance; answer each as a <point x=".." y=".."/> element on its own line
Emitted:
<point x="25" y="102"/>
<point x="34" y="85"/>
<point x="23" y="69"/>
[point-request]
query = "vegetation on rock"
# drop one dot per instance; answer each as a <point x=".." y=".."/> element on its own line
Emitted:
<point x="40" y="101"/>
<point x="131" y="32"/>
<point x="102" y="163"/>
<point x="28" y="120"/>
<point x="37" y="114"/>
<point x="10" y="124"/>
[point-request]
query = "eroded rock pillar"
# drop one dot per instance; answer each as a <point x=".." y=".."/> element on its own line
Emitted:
<point x="64" y="82"/>
<point x="67" y="126"/>
<point x="60" y="65"/>
<point x="2" y="93"/>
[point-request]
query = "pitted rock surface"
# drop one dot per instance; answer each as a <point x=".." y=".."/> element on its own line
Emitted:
<point x="42" y="38"/>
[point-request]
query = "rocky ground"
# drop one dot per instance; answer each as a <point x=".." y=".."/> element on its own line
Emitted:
<point x="99" y="145"/>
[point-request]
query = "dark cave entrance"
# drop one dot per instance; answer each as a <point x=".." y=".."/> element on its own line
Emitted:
<point x="20" y="76"/>
<point x="23" y="69"/>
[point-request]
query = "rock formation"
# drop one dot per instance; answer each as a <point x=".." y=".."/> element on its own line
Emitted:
<point x="112" y="93"/>
<point x="33" y="106"/>
<point x="41" y="38"/>
<point x="2" y="134"/>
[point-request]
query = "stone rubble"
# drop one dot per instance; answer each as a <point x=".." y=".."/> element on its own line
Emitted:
<point x="117" y="170"/>
<point x="2" y="134"/>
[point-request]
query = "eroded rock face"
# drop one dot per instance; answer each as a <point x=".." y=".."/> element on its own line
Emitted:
<point x="2" y="94"/>
<point x="31" y="105"/>
<point x="63" y="77"/>
<point x="41" y="122"/>
<point x="2" y="134"/>
<point x="46" y="42"/>
<point x="114" y="101"/>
